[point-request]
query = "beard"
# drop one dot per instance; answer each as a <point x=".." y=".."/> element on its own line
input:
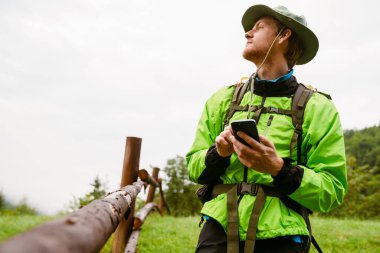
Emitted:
<point x="254" y="55"/>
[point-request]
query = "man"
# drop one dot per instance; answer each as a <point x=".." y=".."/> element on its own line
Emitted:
<point x="260" y="192"/>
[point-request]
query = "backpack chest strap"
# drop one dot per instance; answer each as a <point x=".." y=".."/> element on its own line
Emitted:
<point x="269" y="109"/>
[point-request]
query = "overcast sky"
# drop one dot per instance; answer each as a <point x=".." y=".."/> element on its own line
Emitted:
<point x="77" y="77"/>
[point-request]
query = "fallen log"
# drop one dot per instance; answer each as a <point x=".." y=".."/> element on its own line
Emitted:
<point x="143" y="213"/>
<point x="83" y="231"/>
<point x="132" y="242"/>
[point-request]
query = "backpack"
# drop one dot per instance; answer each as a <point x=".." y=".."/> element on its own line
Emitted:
<point x="299" y="101"/>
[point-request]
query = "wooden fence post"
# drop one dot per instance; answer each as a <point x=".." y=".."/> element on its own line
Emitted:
<point x="151" y="191"/>
<point x="160" y="199"/>
<point x="129" y="175"/>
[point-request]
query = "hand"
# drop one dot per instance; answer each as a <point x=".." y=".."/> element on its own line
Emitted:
<point x="260" y="156"/>
<point x="223" y="145"/>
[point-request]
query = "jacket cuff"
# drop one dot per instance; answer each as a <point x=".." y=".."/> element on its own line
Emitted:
<point x="289" y="178"/>
<point x="216" y="166"/>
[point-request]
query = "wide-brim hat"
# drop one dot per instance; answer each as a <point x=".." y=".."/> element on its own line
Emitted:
<point x="297" y="23"/>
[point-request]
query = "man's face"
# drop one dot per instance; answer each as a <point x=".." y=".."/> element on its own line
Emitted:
<point x="259" y="39"/>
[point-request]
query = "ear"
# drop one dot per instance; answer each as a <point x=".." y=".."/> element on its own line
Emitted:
<point x="285" y="35"/>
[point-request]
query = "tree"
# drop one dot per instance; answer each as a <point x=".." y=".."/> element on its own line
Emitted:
<point x="99" y="190"/>
<point x="180" y="194"/>
<point x="23" y="208"/>
<point x="363" y="197"/>
<point x="363" y="175"/>
<point x="364" y="145"/>
<point x="2" y="201"/>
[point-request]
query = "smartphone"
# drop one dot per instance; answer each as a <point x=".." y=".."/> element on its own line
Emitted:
<point x="247" y="126"/>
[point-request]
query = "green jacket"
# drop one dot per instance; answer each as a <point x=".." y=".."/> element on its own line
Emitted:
<point x="323" y="183"/>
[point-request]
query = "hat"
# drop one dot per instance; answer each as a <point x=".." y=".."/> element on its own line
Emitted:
<point x="296" y="23"/>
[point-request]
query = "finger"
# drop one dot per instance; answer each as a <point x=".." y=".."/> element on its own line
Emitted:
<point x="252" y="142"/>
<point x="226" y="134"/>
<point x="225" y="143"/>
<point x="247" y="153"/>
<point x="266" y="142"/>
<point x="236" y="144"/>
<point x="232" y="139"/>
<point x="229" y="134"/>
<point x="229" y="130"/>
<point x="223" y="135"/>
<point x="243" y="150"/>
<point x="222" y="141"/>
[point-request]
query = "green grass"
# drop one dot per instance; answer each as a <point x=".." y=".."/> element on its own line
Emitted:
<point x="169" y="234"/>
<point x="165" y="234"/>
<point x="11" y="225"/>
<point x="340" y="235"/>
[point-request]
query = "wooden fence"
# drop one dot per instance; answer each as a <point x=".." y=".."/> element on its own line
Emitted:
<point x="88" y="229"/>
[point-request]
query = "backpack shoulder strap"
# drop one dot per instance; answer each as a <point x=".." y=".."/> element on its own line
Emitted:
<point x="300" y="99"/>
<point x="237" y="97"/>
<point x="324" y="94"/>
<point x="320" y="92"/>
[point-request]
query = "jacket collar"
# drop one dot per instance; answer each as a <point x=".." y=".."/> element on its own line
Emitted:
<point x="281" y="88"/>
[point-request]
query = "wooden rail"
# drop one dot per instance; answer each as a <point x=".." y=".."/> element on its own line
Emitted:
<point x="88" y="229"/>
<point x="144" y="176"/>
<point x="83" y="231"/>
<point x="132" y="242"/>
<point x="143" y="213"/>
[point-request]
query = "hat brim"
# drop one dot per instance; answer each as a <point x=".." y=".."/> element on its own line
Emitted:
<point x="308" y="38"/>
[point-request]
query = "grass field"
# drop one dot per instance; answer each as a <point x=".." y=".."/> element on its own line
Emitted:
<point x="12" y="225"/>
<point x="169" y="234"/>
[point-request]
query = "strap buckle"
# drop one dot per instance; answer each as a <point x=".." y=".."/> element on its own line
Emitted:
<point x="246" y="188"/>
<point x="298" y="128"/>
<point x="272" y="109"/>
